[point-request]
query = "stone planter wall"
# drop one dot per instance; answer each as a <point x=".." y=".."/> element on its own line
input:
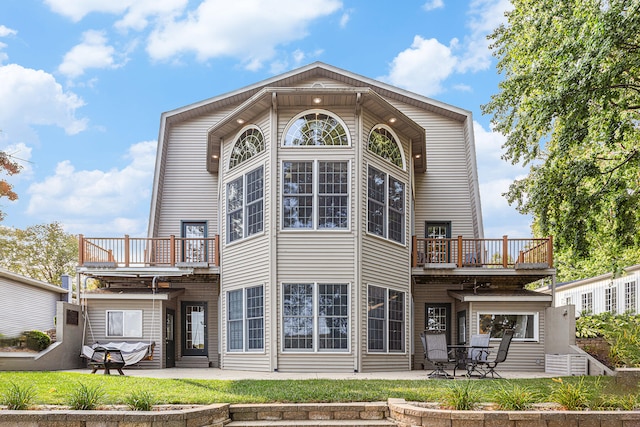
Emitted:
<point x="309" y="411"/>
<point x="408" y="415"/>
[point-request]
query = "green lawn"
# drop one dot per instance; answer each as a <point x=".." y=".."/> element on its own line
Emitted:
<point x="56" y="387"/>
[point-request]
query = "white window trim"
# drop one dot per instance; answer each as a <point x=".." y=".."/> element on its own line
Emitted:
<point x="315" y="187"/>
<point x="316" y="341"/>
<point x="124" y="327"/>
<point x="245" y="335"/>
<point x="386" y="320"/>
<point x="630" y="286"/>
<point x="307" y="147"/>
<point x="397" y="141"/>
<point x="385" y="237"/>
<point x="250" y="159"/>
<point x="243" y="174"/>
<point x="536" y="323"/>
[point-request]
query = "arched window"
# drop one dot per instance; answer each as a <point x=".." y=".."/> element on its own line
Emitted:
<point x="383" y="143"/>
<point x="250" y="143"/>
<point x="315" y="129"/>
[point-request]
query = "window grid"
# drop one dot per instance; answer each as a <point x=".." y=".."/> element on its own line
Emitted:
<point x="245" y="205"/>
<point x="587" y="303"/>
<point x="298" y="194"/>
<point x="382" y="143"/>
<point x="610" y="300"/>
<point x="385" y="204"/>
<point x="316" y="129"/>
<point x="298" y="316"/>
<point x="386" y="311"/>
<point x="630" y="297"/>
<point x="333" y="195"/>
<point x="250" y="143"/>
<point x="333" y="317"/>
<point x="245" y="319"/>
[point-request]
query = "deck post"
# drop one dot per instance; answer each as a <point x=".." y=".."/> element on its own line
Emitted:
<point x="172" y="248"/>
<point x="459" y="251"/>
<point x="505" y="252"/>
<point x="217" y="249"/>
<point x="126" y="250"/>
<point x="550" y="252"/>
<point x="414" y="251"/>
<point x="80" y="249"/>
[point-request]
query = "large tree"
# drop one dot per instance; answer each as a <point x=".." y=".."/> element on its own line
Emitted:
<point x="9" y="167"/>
<point x="569" y="106"/>
<point x="43" y="252"/>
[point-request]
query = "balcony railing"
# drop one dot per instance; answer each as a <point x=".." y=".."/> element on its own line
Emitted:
<point x="147" y="252"/>
<point x="491" y="253"/>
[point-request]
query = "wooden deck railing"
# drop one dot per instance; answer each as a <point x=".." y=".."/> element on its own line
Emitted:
<point x="147" y="252"/>
<point x="492" y="253"/>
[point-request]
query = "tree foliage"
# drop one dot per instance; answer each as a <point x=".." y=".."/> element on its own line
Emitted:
<point x="9" y="167"/>
<point x="43" y="252"/>
<point x="569" y="105"/>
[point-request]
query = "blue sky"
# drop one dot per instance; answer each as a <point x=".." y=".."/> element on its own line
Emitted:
<point x="83" y="84"/>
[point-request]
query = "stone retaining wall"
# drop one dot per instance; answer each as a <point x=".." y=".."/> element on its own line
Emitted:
<point x="309" y="411"/>
<point x="206" y="416"/>
<point x="408" y="415"/>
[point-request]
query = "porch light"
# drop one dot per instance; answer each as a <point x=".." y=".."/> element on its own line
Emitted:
<point x="417" y="156"/>
<point x="392" y="120"/>
<point x="214" y="156"/>
<point x="317" y="100"/>
<point x="240" y="121"/>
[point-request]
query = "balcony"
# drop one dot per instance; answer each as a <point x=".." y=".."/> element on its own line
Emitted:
<point x="158" y="252"/>
<point x="505" y="253"/>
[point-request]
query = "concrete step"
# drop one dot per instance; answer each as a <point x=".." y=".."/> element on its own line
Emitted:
<point x="193" y="362"/>
<point x="313" y="423"/>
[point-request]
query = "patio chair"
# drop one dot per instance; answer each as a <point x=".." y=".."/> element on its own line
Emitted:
<point x="501" y="355"/>
<point x="477" y="353"/>
<point x="435" y="352"/>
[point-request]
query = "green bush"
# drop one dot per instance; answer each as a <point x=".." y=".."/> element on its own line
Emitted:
<point x="462" y="396"/>
<point x="37" y="340"/>
<point x="573" y="395"/>
<point x="140" y="400"/>
<point x="17" y="397"/>
<point x="515" y="397"/>
<point x="86" y="397"/>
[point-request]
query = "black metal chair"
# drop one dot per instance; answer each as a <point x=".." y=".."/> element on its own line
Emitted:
<point x="501" y="355"/>
<point x="435" y="352"/>
<point x="477" y="353"/>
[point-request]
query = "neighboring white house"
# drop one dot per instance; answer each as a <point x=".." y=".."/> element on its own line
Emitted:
<point x="600" y="294"/>
<point x="27" y="304"/>
<point x="315" y="221"/>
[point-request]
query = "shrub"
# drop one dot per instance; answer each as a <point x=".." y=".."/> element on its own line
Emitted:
<point x="37" y="340"/>
<point x="573" y="395"/>
<point x="18" y="397"/>
<point x="85" y="397"/>
<point x="462" y="396"/>
<point x="514" y="397"/>
<point x="140" y="400"/>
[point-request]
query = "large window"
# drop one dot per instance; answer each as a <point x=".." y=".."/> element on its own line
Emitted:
<point x="315" y="129"/>
<point x="385" y="320"/>
<point x="245" y="205"/>
<point x="524" y="325"/>
<point x="630" y="297"/>
<point x="385" y="216"/>
<point x="245" y="319"/>
<point x="124" y="323"/>
<point x="315" y="316"/>
<point x="316" y="194"/>
<point x="610" y="300"/>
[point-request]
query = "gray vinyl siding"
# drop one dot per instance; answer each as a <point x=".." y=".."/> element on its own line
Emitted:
<point x="189" y="192"/>
<point x="24" y="307"/>
<point x="152" y="322"/>
<point x="522" y="356"/>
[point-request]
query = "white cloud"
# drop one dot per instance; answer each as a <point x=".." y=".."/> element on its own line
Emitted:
<point x="93" y="52"/>
<point x="21" y="154"/>
<point x="31" y="97"/>
<point x="96" y="201"/>
<point x="5" y="31"/>
<point x="495" y="176"/>
<point x="433" y="4"/>
<point x="423" y="66"/>
<point x="220" y="28"/>
<point x="485" y="16"/>
<point x="136" y="12"/>
<point x="344" y="19"/>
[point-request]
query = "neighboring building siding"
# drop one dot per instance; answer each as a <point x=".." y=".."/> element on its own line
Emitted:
<point x="25" y="307"/>
<point x="523" y="356"/>
<point x="152" y="321"/>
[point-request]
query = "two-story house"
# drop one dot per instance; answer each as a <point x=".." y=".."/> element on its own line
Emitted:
<point x="315" y="221"/>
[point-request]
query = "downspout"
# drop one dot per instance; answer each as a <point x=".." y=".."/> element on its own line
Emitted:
<point x="359" y="298"/>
